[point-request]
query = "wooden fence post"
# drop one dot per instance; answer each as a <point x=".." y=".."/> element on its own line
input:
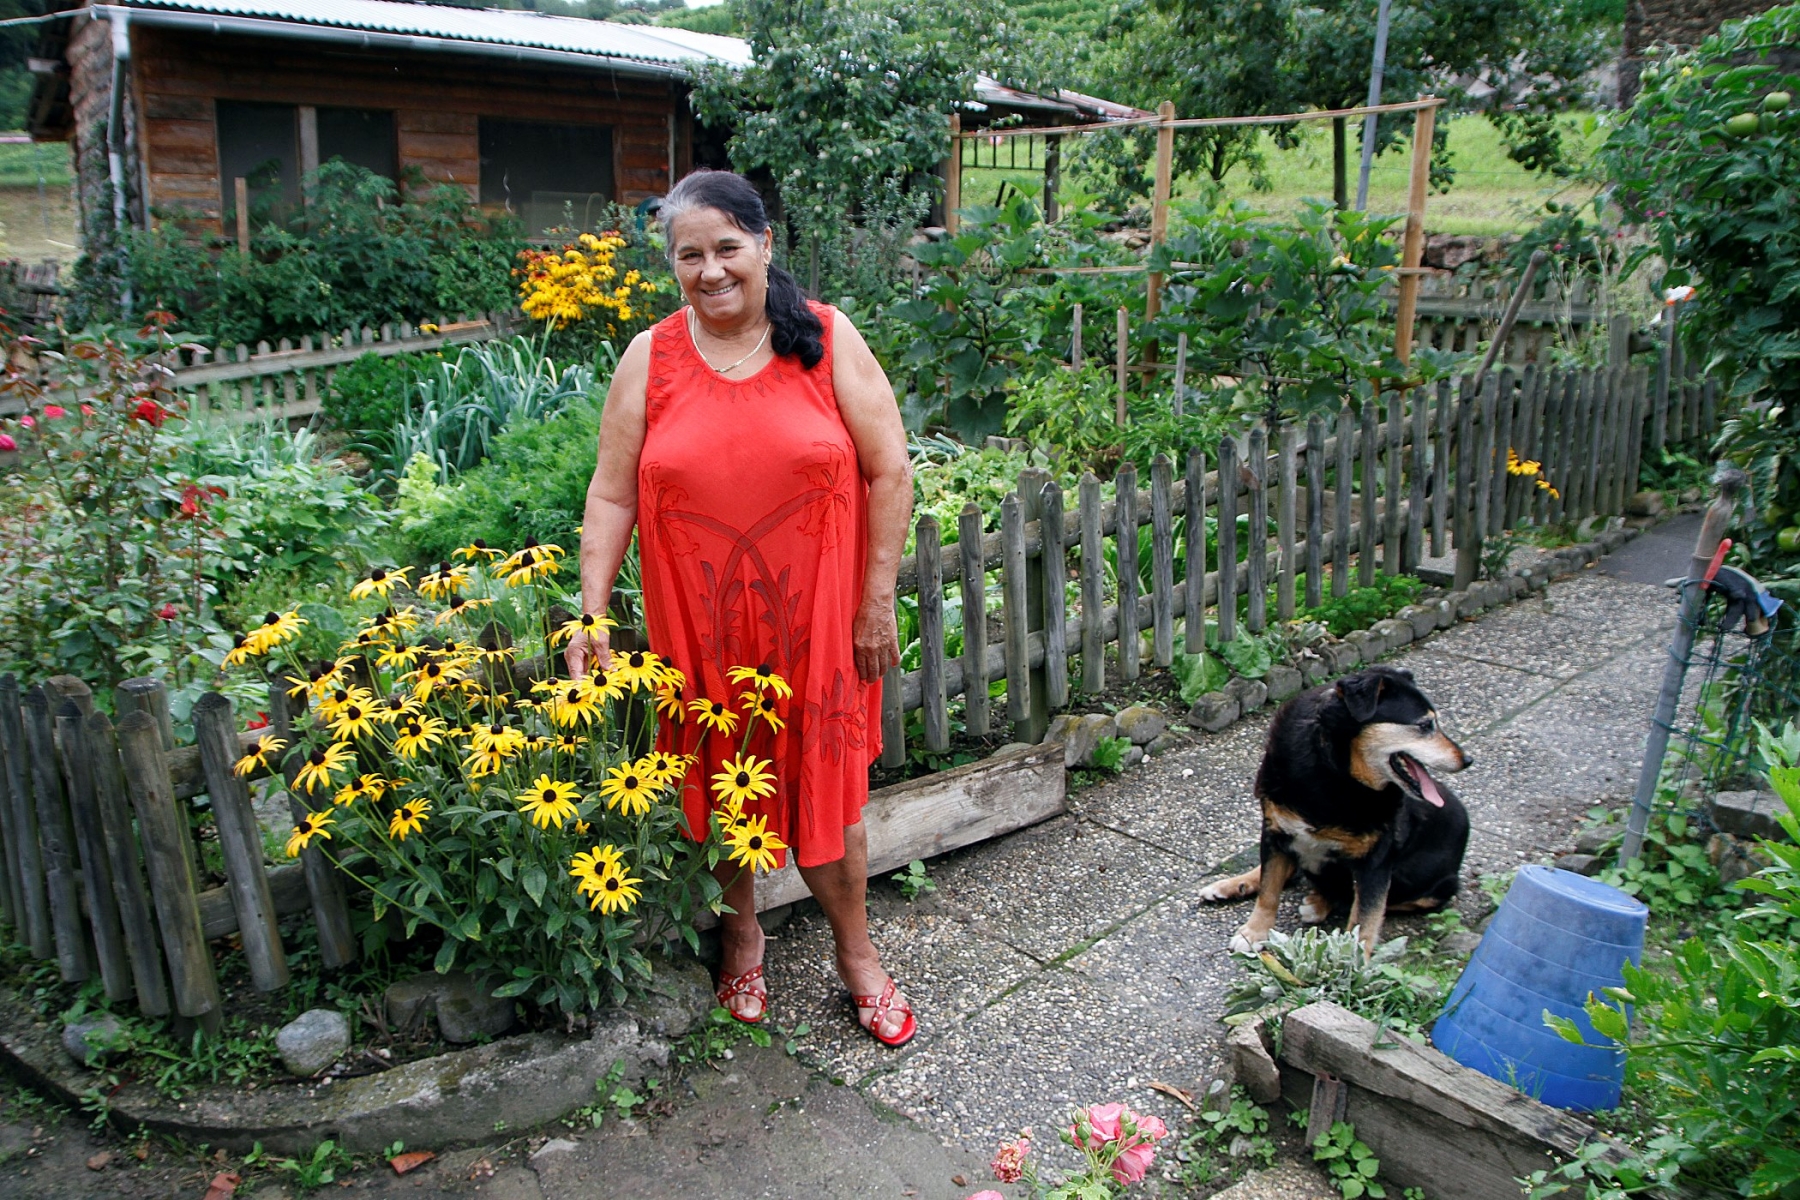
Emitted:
<point x="974" y="607"/>
<point x="1194" y="522"/>
<point x="1055" y="575"/>
<point x="1013" y="596"/>
<point x="24" y="845"/>
<point x="1315" y="510"/>
<point x="953" y="177"/>
<point x="1467" y="537"/>
<point x="893" y="720"/>
<point x="1126" y="541"/>
<point x="1256" y="546"/>
<point x="1659" y="413"/>
<point x="1093" y="595"/>
<point x="1393" y="454"/>
<point x="1640" y="407"/>
<point x="57" y="838"/>
<point x="929" y="558"/>
<point x="135" y="920"/>
<point x="1075" y="337"/>
<point x="149" y="695"/>
<point x="1440" y="470"/>
<point x="1181" y="347"/>
<point x="1228" y="498"/>
<point x="240" y="842"/>
<point x="1371" y="527"/>
<point x="324" y="885"/>
<point x="1343" y="487"/>
<point x="1288" y="470"/>
<point x="1415" y="500"/>
<point x="1505" y="397"/>
<point x="1484" y="460"/>
<point x="1030" y="490"/>
<point x="163" y="827"/>
<point x="96" y="872"/>
<point x="1162" y="560"/>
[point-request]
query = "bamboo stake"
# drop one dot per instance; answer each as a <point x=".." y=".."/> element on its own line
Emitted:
<point x="953" y="177"/>
<point x="1159" y="202"/>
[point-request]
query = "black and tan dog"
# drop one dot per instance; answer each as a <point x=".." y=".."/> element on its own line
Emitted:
<point x="1348" y="800"/>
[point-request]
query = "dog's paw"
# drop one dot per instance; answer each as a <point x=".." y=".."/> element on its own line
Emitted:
<point x="1217" y="893"/>
<point x="1314" y="910"/>
<point x="1242" y="943"/>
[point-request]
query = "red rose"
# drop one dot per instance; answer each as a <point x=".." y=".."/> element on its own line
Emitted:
<point x="150" y="411"/>
<point x="7" y="443"/>
<point x="53" y="411"/>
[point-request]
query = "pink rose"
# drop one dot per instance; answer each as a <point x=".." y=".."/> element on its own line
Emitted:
<point x="28" y="421"/>
<point x="1102" y="1123"/>
<point x="1009" y="1161"/>
<point x="7" y="443"/>
<point x="53" y="411"/>
<point x="990" y="1194"/>
<point x="1140" y="1150"/>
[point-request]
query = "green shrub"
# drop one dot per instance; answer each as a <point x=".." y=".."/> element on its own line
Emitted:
<point x="1361" y="607"/>
<point x="370" y="394"/>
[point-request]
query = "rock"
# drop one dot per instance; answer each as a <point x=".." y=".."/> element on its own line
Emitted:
<point x="1010" y="747"/>
<point x="1085" y="732"/>
<point x="93" y="1040"/>
<point x="1493" y="593"/>
<point x="1394" y="632"/>
<point x="1516" y="586"/>
<point x="1282" y="681"/>
<point x="1251" y="693"/>
<point x="313" y="1041"/>
<point x="100" y="1161"/>
<point x="1133" y="756"/>
<point x="1422" y="618"/>
<point x="1314" y="670"/>
<point x="1597" y="839"/>
<point x="1611" y="540"/>
<point x="1580" y="864"/>
<point x="1368" y="643"/>
<point x="1646" y="504"/>
<point x="1214" y="711"/>
<point x="1461" y="942"/>
<point x="468" y="1012"/>
<point x="678" y="999"/>
<point x="1252" y="1064"/>
<point x="1162" y="745"/>
<point x="410" y="1001"/>
<point x="1747" y="814"/>
<point x="1141" y="723"/>
<point x="1736" y="858"/>
<point x="1467" y="602"/>
<point x="1340" y="658"/>
<point x="1058" y="730"/>
<point x="553" y="1146"/>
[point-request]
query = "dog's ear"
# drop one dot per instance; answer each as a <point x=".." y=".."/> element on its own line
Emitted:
<point x="1361" y="693"/>
<point x="1403" y="673"/>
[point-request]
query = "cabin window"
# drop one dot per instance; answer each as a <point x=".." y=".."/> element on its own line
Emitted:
<point x="548" y="175"/>
<point x="263" y="144"/>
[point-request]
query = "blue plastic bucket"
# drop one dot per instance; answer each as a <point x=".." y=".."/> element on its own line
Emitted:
<point x="1557" y="938"/>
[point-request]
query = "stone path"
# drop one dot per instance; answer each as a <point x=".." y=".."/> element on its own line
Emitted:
<point x="1073" y="962"/>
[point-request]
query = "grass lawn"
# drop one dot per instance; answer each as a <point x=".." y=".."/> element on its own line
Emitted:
<point x="20" y="164"/>
<point x="1491" y="194"/>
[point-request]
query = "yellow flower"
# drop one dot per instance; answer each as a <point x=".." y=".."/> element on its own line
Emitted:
<point x="741" y="779"/>
<point x="714" y="715"/>
<point x="320" y="682"/>
<point x="320" y="764"/>
<point x="670" y="704"/>
<point x="312" y="825"/>
<point x="629" y="789"/>
<point x="568" y="743"/>
<point x="408" y="818"/>
<point x="399" y="656"/>
<point x="352" y="721"/>
<point x="445" y="582"/>
<point x="604" y="683"/>
<point x="667" y="768"/>
<point x="532" y="562"/>
<point x="384" y="627"/>
<point x="756" y="704"/>
<point x="379" y="583"/>
<point x="636" y="669"/>
<point x="574" y="700"/>
<point x="505" y="740"/>
<point x="257" y="753"/>
<point x="433" y="675"/>
<point x="587" y="865"/>
<point x="585" y="623"/>
<point x="276" y="629"/>
<point x="1521" y="466"/>
<point x="397" y="708"/>
<point x="478" y="549"/>
<point x="614" y="890"/>
<point x="368" y="786"/>
<point x="752" y="845"/>
<point x="416" y="734"/>
<point x="1545" y="484"/>
<point x="242" y="651"/>
<point x="484" y="762"/>
<point x="341" y="698"/>
<point x="548" y="801"/>
<point x="461" y="606"/>
<point x="763" y="679"/>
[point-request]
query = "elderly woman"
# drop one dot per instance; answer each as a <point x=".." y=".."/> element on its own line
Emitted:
<point x="754" y="442"/>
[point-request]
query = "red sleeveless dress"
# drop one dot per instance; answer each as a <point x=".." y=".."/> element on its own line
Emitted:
<point x="753" y="535"/>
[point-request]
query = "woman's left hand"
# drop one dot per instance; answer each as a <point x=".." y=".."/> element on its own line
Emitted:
<point x="875" y="639"/>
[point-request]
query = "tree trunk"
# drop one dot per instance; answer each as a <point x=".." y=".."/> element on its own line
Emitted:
<point x="1340" y="176"/>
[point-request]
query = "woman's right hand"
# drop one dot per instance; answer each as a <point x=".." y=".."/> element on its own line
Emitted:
<point x="587" y="649"/>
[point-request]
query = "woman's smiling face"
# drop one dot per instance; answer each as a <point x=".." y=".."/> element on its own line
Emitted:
<point x="723" y="270"/>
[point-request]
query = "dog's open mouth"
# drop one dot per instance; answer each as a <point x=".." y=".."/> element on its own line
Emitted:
<point x="1423" y="785"/>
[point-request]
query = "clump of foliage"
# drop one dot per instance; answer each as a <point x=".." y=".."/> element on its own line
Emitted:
<point x="586" y="296"/>
<point x="1706" y="158"/>
<point x="1226" y="1141"/>
<point x="363" y="252"/>
<point x="370" y="393"/>
<point x="1361" y="607"/>
<point x="948" y="476"/>
<point x="1294" y="970"/>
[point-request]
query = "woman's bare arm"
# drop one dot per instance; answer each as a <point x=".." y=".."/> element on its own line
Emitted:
<point x="611" y="509"/>
<point x="866" y="402"/>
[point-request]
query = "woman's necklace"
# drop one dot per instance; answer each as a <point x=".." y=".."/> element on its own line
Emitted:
<point x="694" y="336"/>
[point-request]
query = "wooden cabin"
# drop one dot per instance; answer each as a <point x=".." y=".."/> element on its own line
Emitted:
<point x="529" y="112"/>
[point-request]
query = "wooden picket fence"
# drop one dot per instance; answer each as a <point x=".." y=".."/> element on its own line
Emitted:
<point x="1352" y="494"/>
<point x="1459" y="312"/>
<point x="101" y="867"/>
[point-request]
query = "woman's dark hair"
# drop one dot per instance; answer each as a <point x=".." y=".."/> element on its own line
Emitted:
<point x="794" y="328"/>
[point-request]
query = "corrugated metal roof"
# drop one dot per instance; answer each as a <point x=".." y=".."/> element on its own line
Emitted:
<point x="498" y="27"/>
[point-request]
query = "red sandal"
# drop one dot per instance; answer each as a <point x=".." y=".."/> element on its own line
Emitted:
<point x="731" y="986"/>
<point x="882" y="1005"/>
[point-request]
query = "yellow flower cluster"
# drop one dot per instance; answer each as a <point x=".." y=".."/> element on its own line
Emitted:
<point x="1529" y="467"/>
<point x="580" y="282"/>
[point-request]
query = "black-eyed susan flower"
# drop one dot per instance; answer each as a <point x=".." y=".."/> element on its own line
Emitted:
<point x="671" y="704"/>
<point x="433" y="676"/>
<point x="312" y="825"/>
<point x="399" y="656"/>
<point x="548" y="801"/>
<point x="764" y="707"/>
<point x="478" y="549"/>
<point x="568" y="743"/>
<point x="495" y="655"/>
<point x="506" y="740"/>
<point x="668" y="768"/>
<point x="743" y="779"/>
<point x="615" y="890"/>
<point x="461" y="606"/>
<point x="277" y="628"/>
<point x="752" y="845"/>
<point x="241" y="652"/>
<point x="636" y="669"/>
<point x="483" y="762"/>
<point x="587" y="865"/>
<point x="604" y="683"/>
<point x="589" y="623"/>
<point x="409" y="817"/>
<point x="314" y="683"/>
<point x="573" y="701"/>
<point x="669" y="676"/>
<point x="340" y="698"/>
<point x="629" y="789"/>
<point x="531" y="562"/>
<point x="763" y="679"/>
<point x="443" y="583"/>
<point x="257" y="755"/>
<point x="353" y="720"/>
<point x="396" y="709"/>
<point x="714" y="715"/>
<point x="418" y="733"/>
<point x="320" y="765"/>
<point x="380" y="582"/>
<point x="368" y="786"/>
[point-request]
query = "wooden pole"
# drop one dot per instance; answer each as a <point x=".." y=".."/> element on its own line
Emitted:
<point x="1315" y="510"/>
<point x="96" y="870"/>
<point x="1256" y="544"/>
<point x="1162" y="560"/>
<point x="1075" y="337"/>
<point x="57" y="838"/>
<point x="240" y="843"/>
<point x="1013" y="603"/>
<point x="1413" y="251"/>
<point x="136" y="921"/>
<point x="893" y="721"/>
<point x="163" y="827"/>
<point x="1284" y="522"/>
<point x="1093" y="596"/>
<point x="1371" y="529"/>
<point x="324" y="884"/>
<point x="974" y="609"/>
<point x="1228" y="497"/>
<point x="1030" y="490"/>
<point x="1159" y="201"/>
<point x="1343" y="491"/>
<point x="929" y="557"/>
<point x="1119" y="369"/>
<point x="1126" y="535"/>
<point x="1194" y="518"/>
<point x="149" y="695"/>
<point x="1181" y="343"/>
<point x="241" y="193"/>
<point x="1392" y="454"/>
<point x="953" y="176"/>
<point x="34" y="928"/>
<point x="1055" y="575"/>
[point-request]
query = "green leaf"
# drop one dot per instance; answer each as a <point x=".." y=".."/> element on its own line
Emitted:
<point x="534" y="881"/>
